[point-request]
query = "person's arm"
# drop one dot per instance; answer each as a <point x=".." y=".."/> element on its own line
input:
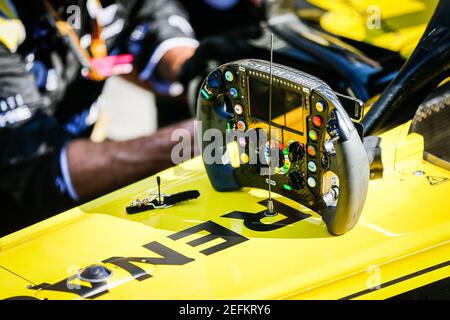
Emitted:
<point x="98" y="168"/>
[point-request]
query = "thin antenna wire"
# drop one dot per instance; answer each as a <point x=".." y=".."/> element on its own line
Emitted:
<point x="158" y="181"/>
<point x="270" y="207"/>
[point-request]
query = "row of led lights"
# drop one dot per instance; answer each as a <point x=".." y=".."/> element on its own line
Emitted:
<point x="265" y="76"/>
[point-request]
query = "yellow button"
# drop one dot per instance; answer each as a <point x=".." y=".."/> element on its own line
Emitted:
<point x="320" y="106"/>
<point x="244" y="158"/>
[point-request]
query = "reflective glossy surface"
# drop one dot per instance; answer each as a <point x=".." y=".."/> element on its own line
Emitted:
<point x="404" y="229"/>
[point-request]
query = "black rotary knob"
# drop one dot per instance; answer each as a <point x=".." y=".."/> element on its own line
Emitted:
<point x="214" y="80"/>
<point x="297" y="180"/>
<point x="277" y="157"/>
<point x="296" y="151"/>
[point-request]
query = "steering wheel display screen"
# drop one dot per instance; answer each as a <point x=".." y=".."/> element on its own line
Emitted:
<point x="287" y="105"/>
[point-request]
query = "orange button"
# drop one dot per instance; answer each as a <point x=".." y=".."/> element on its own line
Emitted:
<point x="242" y="126"/>
<point x="312" y="151"/>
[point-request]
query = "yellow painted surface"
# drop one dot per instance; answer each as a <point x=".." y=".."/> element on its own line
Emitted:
<point x="12" y="285"/>
<point x="396" y="27"/>
<point x="404" y="229"/>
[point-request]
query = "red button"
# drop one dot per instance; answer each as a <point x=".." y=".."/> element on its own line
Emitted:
<point x="242" y="126"/>
<point x="317" y="121"/>
<point x="312" y="151"/>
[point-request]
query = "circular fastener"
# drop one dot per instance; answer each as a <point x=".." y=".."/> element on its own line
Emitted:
<point x="312" y="151"/>
<point x="95" y="274"/>
<point x="239" y="109"/>
<point x="242" y="126"/>
<point x="234" y="93"/>
<point x="229" y="76"/>
<point x="312" y="167"/>
<point x="320" y="106"/>
<point x="313" y="135"/>
<point x="312" y="183"/>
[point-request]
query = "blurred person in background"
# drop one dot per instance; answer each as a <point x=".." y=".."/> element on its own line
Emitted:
<point x="54" y="58"/>
<point x="173" y="62"/>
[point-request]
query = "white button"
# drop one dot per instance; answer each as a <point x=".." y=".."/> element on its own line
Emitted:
<point x="312" y="182"/>
<point x="238" y="109"/>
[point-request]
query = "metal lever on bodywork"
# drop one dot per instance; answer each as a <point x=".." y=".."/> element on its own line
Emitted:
<point x="167" y="201"/>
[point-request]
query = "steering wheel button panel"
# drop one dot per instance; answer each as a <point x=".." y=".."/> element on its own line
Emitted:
<point x="299" y="166"/>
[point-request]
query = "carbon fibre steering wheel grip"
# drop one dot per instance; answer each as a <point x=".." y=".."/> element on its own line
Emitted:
<point x="353" y="171"/>
<point x="322" y="163"/>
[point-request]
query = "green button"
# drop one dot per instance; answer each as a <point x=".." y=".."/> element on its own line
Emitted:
<point x="229" y="76"/>
<point x="287" y="187"/>
<point x="205" y="94"/>
<point x="285" y="152"/>
<point x="313" y="135"/>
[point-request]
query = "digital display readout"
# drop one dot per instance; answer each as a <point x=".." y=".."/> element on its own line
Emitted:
<point x="287" y="105"/>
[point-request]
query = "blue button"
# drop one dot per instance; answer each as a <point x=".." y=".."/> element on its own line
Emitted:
<point x="234" y="93"/>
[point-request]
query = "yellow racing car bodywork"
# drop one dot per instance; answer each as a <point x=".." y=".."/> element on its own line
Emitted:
<point x="220" y="246"/>
<point x="395" y="26"/>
